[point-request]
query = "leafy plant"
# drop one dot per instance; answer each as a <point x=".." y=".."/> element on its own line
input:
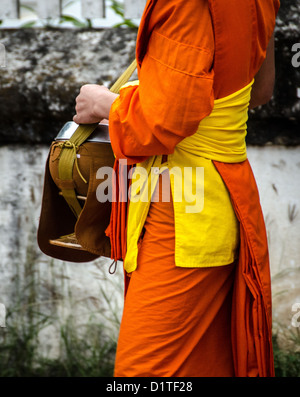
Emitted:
<point x="63" y="18"/>
<point x="80" y="348"/>
<point x="118" y="8"/>
<point x="287" y="362"/>
<point x="76" y="22"/>
<point x="88" y="355"/>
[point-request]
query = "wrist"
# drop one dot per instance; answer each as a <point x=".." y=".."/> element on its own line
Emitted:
<point x="102" y="104"/>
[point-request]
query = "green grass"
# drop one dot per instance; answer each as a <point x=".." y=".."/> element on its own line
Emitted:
<point x="287" y="360"/>
<point x="82" y="348"/>
<point x="90" y="354"/>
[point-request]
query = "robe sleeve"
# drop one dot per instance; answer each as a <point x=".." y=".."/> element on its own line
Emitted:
<point x="175" y="90"/>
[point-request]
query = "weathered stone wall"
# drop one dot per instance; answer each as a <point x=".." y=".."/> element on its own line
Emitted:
<point x="45" y="69"/>
<point x="278" y="122"/>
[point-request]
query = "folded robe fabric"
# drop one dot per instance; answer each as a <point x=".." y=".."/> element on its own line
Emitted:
<point x="116" y="229"/>
<point x="252" y="308"/>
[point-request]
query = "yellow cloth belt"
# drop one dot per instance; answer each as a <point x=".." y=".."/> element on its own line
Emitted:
<point x="221" y="135"/>
<point x="206" y="228"/>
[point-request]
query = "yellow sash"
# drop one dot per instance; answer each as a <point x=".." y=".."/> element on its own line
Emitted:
<point x="206" y="228"/>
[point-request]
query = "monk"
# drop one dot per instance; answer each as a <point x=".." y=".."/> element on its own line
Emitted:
<point x="198" y="293"/>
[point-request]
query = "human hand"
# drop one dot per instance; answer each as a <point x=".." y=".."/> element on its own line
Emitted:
<point x="93" y="104"/>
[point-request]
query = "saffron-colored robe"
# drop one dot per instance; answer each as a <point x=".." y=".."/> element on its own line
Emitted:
<point x="174" y="54"/>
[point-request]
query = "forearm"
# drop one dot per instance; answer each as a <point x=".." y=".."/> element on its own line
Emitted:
<point x="264" y="80"/>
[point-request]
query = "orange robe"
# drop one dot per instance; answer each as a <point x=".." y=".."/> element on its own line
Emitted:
<point x="176" y="321"/>
<point x="174" y="54"/>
